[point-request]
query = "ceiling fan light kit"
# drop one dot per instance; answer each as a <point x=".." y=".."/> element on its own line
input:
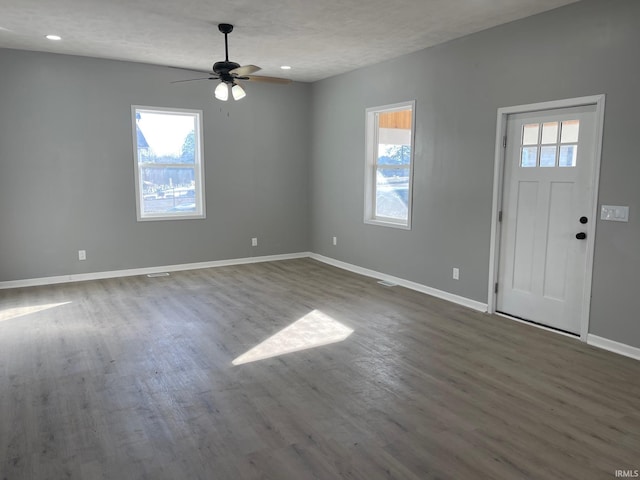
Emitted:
<point x="238" y="92"/>
<point x="222" y="92"/>
<point x="230" y="72"/>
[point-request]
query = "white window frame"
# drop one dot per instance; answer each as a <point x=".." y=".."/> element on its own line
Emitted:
<point x="371" y="166"/>
<point x="198" y="166"/>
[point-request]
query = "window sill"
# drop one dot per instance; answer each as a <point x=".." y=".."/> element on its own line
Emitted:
<point x="171" y="217"/>
<point x="387" y="223"/>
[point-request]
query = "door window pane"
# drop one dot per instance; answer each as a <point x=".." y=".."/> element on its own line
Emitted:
<point x="548" y="156"/>
<point x="529" y="157"/>
<point x="570" y="131"/>
<point x="549" y="133"/>
<point x="568" y="155"/>
<point x="530" y="134"/>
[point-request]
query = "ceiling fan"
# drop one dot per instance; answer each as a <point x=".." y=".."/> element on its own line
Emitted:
<point x="230" y="72"/>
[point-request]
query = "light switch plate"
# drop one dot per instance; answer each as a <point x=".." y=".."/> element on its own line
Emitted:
<point x="614" y="213"/>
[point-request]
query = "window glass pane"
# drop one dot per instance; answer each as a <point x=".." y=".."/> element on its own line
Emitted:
<point x="165" y="137"/>
<point x="568" y="155"/>
<point x="168" y="190"/>
<point x="392" y="193"/>
<point x="529" y="157"/>
<point x="530" y="134"/>
<point x="570" y="131"/>
<point x="394" y="154"/>
<point x="548" y="156"/>
<point x="549" y="133"/>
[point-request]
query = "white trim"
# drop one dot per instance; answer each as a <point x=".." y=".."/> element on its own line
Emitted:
<point x="600" y="342"/>
<point x="593" y="340"/>
<point x="586" y="299"/>
<point x="466" y="302"/>
<point x="387" y="223"/>
<point x="498" y="174"/>
<point x="371" y="141"/>
<point x="81" y="277"/>
<point x="494" y="248"/>
<point x="613" y="346"/>
<point x="553" y="104"/>
<point x="198" y="166"/>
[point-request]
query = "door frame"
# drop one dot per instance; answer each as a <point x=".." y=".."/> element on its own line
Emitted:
<point x="498" y="187"/>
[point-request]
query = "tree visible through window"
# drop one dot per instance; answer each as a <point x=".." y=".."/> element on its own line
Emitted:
<point x="388" y="175"/>
<point x="168" y="163"/>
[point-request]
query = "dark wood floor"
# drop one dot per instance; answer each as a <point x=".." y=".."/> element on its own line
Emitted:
<point x="133" y="378"/>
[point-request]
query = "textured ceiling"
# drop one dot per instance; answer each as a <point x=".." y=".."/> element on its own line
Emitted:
<point x="318" y="38"/>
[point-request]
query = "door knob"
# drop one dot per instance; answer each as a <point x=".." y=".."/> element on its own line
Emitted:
<point x="581" y="236"/>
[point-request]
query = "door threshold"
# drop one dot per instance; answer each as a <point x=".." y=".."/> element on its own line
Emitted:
<point x="531" y="323"/>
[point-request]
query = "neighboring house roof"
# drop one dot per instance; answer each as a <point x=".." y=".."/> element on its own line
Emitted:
<point x="142" y="142"/>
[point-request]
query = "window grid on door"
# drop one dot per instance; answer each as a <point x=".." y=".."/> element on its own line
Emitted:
<point x="549" y="144"/>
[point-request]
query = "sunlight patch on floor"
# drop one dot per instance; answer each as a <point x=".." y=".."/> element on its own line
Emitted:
<point x="16" y="312"/>
<point x="313" y="330"/>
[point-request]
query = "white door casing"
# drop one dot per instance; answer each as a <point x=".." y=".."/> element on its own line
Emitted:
<point x="543" y="271"/>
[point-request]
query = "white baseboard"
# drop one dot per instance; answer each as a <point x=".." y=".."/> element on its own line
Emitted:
<point x="81" y="277"/>
<point x="613" y="346"/>
<point x="594" y="340"/>
<point x="467" y="302"/>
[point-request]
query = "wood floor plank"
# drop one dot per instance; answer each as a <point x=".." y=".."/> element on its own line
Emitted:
<point x="132" y="378"/>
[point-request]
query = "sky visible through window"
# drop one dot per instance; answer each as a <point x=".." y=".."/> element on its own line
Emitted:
<point x="165" y="133"/>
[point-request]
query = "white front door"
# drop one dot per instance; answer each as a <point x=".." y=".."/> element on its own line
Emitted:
<point x="546" y="215"/>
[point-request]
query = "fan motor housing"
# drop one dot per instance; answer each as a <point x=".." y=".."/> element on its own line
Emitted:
<point x="224" y="66"/>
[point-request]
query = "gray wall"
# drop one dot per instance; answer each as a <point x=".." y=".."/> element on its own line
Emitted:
<point x="66" y="168"/>
<point x="583" y="49"/>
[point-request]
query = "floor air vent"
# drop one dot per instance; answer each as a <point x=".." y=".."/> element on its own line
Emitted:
<point x="387" y="283"/>
<point x="160" y="274"/>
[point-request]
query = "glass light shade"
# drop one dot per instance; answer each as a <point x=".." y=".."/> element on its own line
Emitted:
<point x="222" y="92"/>
<point x="238" y="92"/>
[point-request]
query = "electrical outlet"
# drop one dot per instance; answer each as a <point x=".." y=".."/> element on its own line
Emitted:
<point x="456" y="273"/>
<point x="335" y="240"/>
<point x="82" y="254"/>
<point x="254" y="242"/>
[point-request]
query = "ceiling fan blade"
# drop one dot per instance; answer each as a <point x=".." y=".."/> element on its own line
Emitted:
<point x="244" y="70"/>
<point x="258" y="78"/>
<point x="193" y="79"/>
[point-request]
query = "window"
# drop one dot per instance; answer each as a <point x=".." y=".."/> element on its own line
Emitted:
<point x="167" y="147"/>
<point x="389" y="165"/>
<point x="541" y="147"/>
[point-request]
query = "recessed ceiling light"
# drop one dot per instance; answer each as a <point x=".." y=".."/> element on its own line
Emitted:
<point x="53" y="37"/>
<point x="285" y="67"/>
